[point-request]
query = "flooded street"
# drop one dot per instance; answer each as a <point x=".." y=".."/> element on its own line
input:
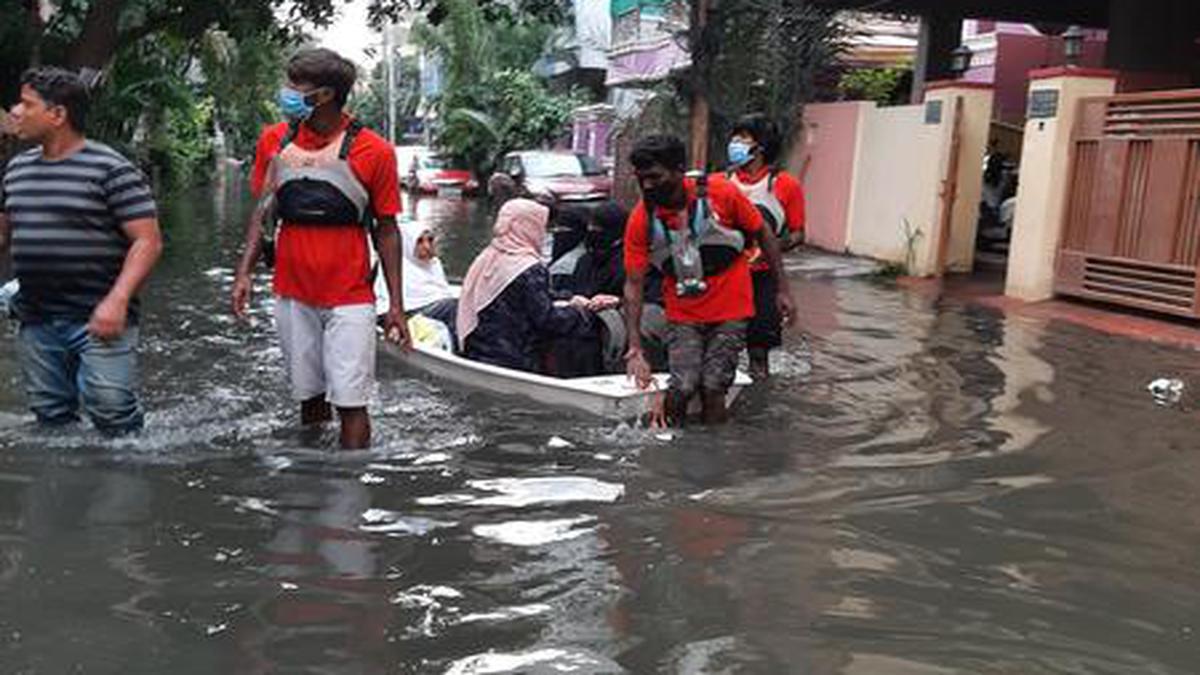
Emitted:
<point x="926" y="487"/>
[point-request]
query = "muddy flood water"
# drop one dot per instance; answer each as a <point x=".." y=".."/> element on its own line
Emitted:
<point x="926" y="487"/>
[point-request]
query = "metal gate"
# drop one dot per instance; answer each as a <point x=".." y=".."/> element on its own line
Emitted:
<point x="1132" y="230"/>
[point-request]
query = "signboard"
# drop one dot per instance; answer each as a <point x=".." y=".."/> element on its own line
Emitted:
<point x="1043" y="104"/>
<point x="933" y="112"/>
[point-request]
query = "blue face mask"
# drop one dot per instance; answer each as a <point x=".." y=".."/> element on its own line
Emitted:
<point x="294" y="104"/>
<point x="740" y="153"/>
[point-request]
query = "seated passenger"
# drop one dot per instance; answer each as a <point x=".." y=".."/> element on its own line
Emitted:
<point x="426" y="291"/>
<point x="568" y="233"/>
<point x="506" y="314"/>
<point x="601" y="278"/>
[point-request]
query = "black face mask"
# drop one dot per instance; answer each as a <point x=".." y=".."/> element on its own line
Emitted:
<point x="659" y="195"/>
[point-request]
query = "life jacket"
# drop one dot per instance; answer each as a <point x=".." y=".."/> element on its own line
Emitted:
<point x="318" y="187"/>
<point x="704" y="248"/>
<point x="762" y="195"/>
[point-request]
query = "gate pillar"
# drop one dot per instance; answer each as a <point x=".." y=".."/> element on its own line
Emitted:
<point x="1045" y="174"/>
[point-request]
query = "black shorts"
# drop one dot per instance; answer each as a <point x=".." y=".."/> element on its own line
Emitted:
<point x="766" y="328"/>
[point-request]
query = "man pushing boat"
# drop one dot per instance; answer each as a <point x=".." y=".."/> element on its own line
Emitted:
<point x="695" y="231"/>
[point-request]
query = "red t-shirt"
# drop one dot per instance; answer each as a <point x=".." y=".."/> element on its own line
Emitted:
<point x="730" y="296"/>
<point x="790" y="194"/>
<point x="323" y="265"/>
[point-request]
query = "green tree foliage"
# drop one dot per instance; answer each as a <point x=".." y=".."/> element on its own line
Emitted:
<point x="871" y="84"/>
<point x="759" y="56"/>
<point x="369" y="102"/>
<point x="176" y="69"/>
<point x="172" y="70"/>
<point x="150" y="111"/>
<point x="492" y="103"/>
<point x="242" y="76"/>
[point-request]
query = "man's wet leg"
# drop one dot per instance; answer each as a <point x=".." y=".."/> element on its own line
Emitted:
<point x="356" y="428"/>
<point x="760" y="362"/>
<point x="315" y="410"/>
<point x="714" y="411"/>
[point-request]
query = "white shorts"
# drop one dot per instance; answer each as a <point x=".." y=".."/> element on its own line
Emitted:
<point x="328" y="352"/>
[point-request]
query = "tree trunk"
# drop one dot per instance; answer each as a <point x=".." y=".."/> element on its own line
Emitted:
<point x="97" y="42"/>
<point x="699" y="130"/>
<point x="36" y="28"/>
<point x="699" y="77"/>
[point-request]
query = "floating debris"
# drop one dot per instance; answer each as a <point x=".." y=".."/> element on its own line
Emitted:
<point x="1166" y="391"/>
<point x="559" y="443"/>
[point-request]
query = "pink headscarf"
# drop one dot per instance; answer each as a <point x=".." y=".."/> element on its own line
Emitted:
<point x="516" y="246"/>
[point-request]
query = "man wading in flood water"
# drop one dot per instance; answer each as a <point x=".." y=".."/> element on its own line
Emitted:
<point x="696" y="232"/>
<point x="753" y="150"/>
<point x="326" y="174"/>
<point x="84" y="234"/>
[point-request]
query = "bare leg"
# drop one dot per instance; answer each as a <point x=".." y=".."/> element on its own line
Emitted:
<point x="760" y="362"/>
<point x="677" y="408"/>
<point x="315" y="410"/>
<point x="356" y="428"/>
<point x="714" y="407"/>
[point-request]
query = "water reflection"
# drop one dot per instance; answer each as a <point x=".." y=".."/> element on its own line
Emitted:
<point x="928" y="487"/>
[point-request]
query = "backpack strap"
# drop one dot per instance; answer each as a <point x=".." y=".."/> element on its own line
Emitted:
<point x="352" y="131"/>
<point x="292" y="130"/>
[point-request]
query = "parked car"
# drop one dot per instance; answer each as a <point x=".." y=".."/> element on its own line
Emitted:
<point x="427" y="171"/>
<point x="561" y="175"/>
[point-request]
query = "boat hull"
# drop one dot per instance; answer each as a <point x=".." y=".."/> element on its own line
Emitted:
<point x="609" y="396"/>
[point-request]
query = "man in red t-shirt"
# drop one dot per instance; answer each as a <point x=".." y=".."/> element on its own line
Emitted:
<point x="696" y="232"/>
<point x="321" y="174"/>
<point x="754" y="147"/>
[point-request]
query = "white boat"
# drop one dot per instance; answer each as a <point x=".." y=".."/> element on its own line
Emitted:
<point x="608" y="396"/>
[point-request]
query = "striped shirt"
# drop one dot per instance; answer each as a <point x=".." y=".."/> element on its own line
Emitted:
<point x="65" y="216"/>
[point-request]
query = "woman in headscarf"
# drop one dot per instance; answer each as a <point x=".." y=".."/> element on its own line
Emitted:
<point x="426" y="290"/>
<point x="601" y="278"/>
<point x="568" y="232"/>
<point x="506" y="313"/>
<point x="602" y="270"/>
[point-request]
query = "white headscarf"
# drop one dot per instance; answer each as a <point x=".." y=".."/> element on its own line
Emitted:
<point x="424" y="280"/>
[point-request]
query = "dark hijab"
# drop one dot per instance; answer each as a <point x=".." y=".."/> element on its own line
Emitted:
<point x="603" y="268"/>
<point x="569" y="229"/>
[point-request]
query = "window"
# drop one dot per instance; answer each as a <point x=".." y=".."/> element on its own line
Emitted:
<point x="543" y="164"/>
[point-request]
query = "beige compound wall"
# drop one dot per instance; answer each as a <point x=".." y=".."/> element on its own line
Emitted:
<point x="898" y="169"/>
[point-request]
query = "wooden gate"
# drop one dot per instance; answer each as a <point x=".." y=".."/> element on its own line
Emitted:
<point x="1132" y="230"/>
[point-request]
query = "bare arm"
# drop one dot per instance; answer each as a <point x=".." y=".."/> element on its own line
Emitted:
<point x="143" y="255"/>
<point x="4" y="233"/>
<point x="250" y="254"/>
<point x="108" y="319"/>
<point x="254" y="235"/>
<point x="635" y="284"/>
<point x="387" y="245"/>
<point x="769" y="244"/>
<point x="635" y="360"/>
<point x="794" y="240"/>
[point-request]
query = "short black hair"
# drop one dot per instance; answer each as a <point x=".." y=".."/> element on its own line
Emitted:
<point x="324" y="68"/>
<point x="58" y="86"/>
<point x="664" y="150"/>
<point x="763" y="130"/>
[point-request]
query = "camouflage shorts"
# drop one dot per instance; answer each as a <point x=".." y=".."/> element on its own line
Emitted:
<point x="704" y="356"/>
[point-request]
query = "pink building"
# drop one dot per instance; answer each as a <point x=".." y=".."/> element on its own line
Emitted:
<point x="1003" y="54"/>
